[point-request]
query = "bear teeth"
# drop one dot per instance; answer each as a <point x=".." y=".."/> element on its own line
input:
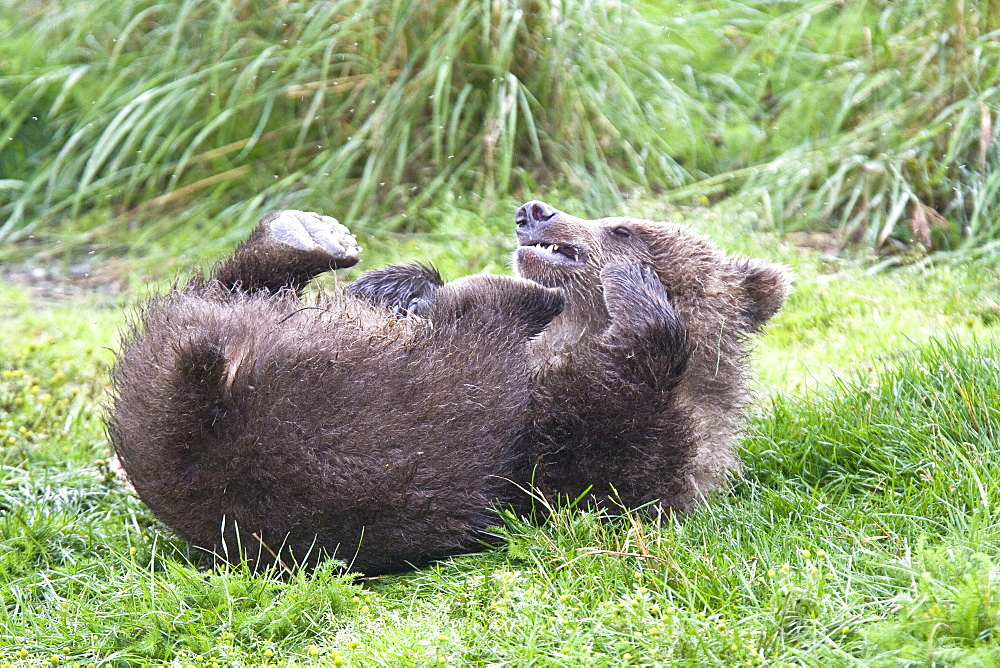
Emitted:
<point x="568" y="251"/>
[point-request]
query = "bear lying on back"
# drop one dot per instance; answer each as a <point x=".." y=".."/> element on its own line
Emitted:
<point x="640" y="382"/>
<point x="255" y="426"/>
<point x="382" y="424"/>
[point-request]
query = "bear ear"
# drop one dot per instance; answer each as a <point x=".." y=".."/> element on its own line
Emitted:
<point x="766" y="285"/>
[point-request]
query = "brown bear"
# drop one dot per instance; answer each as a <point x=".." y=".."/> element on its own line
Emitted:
<point x="395" y="414"/>
<point x="640" y="383"/>
<point x="258" y="427"/>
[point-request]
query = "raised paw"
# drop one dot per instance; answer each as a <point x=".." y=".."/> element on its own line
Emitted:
<point x="646" y="335"/>
<point x="402" y="288"/>
<point x="313" y="234"/>
<point x="634" y="292"/>
<point x="287" y="249"/>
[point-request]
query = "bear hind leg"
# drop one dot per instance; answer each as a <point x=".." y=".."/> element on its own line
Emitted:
<point x="287" y="249"/>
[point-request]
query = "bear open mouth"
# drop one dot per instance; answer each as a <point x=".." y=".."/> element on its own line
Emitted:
<point x="553" y="252"/>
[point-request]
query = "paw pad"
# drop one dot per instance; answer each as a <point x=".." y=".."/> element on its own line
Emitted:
<point x="310" y="232"/>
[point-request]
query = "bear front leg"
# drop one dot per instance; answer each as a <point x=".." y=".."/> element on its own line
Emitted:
<point x="404" y="289"/>
<point x="608" y="419"/>
<point x="287" y="249"/>
<point x="502" y="308"/>
<point x="646" y="340"/>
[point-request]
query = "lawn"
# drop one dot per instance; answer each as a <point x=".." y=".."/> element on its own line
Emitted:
<point x="140" y="140"/>
<point x="863" y="529"/>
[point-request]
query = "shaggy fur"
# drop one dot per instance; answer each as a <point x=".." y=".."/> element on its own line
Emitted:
<point x="256" y="426"/>
<point x="381" y="424"/>
<point x="642" y="378"/>
<point x="640" y="383"/>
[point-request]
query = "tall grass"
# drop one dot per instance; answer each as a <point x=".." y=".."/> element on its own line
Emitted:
<point x="136" y="108"/>
<point x="876" y="119"/>
<point x="127" y="119"/>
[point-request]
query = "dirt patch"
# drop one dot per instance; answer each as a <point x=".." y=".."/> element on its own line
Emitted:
<point x="59" y="283"/>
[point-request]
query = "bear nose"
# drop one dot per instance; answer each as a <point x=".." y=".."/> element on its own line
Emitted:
<point x="534" y="212"/>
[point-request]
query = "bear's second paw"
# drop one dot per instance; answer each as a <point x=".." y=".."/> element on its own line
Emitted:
<point x="634" y="290"/>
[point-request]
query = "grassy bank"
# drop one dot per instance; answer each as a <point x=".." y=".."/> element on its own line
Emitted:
<point x="862" y="531"/>
<point x="129" y="127"/>
<point x="140" y="141"/>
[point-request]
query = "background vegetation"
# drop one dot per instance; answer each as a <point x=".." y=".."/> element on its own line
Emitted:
<point x="142" y="138"/>
<point x="142" y="121"/>
<point x="864" y="530"/>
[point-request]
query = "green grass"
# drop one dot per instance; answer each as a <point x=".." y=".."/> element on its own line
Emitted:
<point x="129" y="127"/>
<point x="140" y="140"/>
<point x="863" y="531"/>
<point x="875" y="119"/>
<point x="217" y="110"/>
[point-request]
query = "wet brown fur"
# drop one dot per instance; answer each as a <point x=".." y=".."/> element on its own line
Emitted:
<point x="381" y="425"/>
<point x="252" y="423"/>
<point x="641" y="382"/>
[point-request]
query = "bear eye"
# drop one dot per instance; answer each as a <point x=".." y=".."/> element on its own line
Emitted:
<point x="622" y="232"/>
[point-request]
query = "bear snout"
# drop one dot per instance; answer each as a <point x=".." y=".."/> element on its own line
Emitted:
<point x="533" y="213"/>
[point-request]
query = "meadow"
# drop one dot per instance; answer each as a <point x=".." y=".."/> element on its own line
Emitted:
<point x="863" y="529"/>
<point x="853" y="142"/>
